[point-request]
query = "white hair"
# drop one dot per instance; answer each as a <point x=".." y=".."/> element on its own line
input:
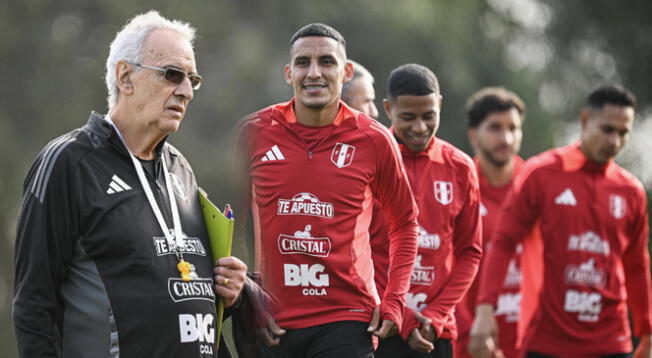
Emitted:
<point x="359" y="71"/>
<point x="128" y="44"/>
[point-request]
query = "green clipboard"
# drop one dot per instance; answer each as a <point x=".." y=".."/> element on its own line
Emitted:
<point x="220" y="235"/>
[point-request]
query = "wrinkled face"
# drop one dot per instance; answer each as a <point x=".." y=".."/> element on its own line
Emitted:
<point x="415" y="119"/>
<point x="605" y="132"/>
<point x="316" y="71"/>
<point x="155" y="100"/>
<point x="498" y="137"/>
<point x="361" y="96"/>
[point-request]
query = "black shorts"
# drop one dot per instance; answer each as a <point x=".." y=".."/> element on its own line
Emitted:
<point x="332" y="340"/>
<point x="617" y="355"/>
<point x="396" y="347"/>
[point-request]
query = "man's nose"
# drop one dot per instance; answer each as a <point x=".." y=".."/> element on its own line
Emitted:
<point x="508" y="137"/>
<point x="615" y="140"/>
<point x="314" y="70"/>
<point x="373" y="110"/>
<point x="419" y="126"/>
<point x="185" y="89"/>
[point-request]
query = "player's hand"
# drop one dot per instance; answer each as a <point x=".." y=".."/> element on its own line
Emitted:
<point x="427" y="332"/>
<point x="418" y="343"/>
<point x="271" y="334"/>
<point x="229" y="275"/>
<point x="386" y="329"/>
<point x="484" y="333"/>
<point x="644" y="348"/>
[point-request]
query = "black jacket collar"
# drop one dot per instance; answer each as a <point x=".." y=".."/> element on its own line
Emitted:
<point x="97" y="125"/>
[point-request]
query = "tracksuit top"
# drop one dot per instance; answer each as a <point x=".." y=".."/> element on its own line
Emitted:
<point x="445" y="186"/>
<point x="509" y="297"/>
<point x="95" y="276"/>
<point x="588" y="265"/>
<point x="311" y="210"/>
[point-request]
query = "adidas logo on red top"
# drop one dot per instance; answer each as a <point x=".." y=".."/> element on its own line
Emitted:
<point x="566" y="198"/>
<point x="273" y="154"/>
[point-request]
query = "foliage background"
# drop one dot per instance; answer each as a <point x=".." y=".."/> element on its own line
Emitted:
<point x="52" y="56"/>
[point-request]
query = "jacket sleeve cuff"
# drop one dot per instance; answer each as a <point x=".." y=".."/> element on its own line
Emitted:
<point x="437" y="321"/>
<point x="391" y="312"/>
<point x="409" y="323"/>
<point x="642" y="328"/>
<point x="438" y="326"/>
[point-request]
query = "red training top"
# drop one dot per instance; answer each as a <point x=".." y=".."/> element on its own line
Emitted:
<point x="509" y="297"/>
<point x="590" y="262"/>
<point x="313" y="190"/>
<point x="445" y="185"/>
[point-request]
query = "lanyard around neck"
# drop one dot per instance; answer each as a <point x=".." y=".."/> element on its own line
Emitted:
<point x="176" y="221"/>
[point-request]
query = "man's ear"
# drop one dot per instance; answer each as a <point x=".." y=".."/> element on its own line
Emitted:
<point x="288" y="74"/>
<point x="123" y="72"/>
<point x="388" y="108"/>
<point x="348" y="72"/>
<point x="584" y="118"/>
<point x="473" y="137"/>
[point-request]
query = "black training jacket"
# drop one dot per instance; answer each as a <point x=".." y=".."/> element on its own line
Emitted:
<point x="94" y="274"/>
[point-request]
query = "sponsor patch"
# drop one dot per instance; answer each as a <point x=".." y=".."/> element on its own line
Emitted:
<point x="513" y="276"/>
<point x="588" y="242"/>
<point x="587" y="305"/>
<point x="585" y="275"/>
<point x="192" y="246"/>
<point x="509" y="305"/>
<point x="198" y="328"/>
<point x="303" y="243"/>
<point x="427" y="240"/>
<point x="422" y="275"/>
<point x="305" y="204"/>
<point x="416" y="301"/>
<point x="311" y="277"/>
<point x="196" y="289"/>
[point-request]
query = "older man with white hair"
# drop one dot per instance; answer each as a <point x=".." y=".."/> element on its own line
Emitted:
<point x="112" y="256"/>
<point x="359" y="93"/>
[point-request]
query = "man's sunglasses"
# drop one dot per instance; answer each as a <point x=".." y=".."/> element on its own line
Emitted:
<point x="174" y="75"/>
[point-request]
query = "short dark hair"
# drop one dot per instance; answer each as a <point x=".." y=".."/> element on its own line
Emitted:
<point x="411" y="80"/>
<point x="318" y="29"/>
<point x="490" y="100"/>
<point x="610" y="94"/>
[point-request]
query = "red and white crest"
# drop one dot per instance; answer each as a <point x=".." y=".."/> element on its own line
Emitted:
<point x="617" y="206"/>
<point x="444" y="192"/>
<point x="342" y="155"/>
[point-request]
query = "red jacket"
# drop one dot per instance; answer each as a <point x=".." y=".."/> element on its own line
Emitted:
<point x="590" y="262"/>
<point x="312" y="199"/>
<point x="445" y="185"/>
<point x="509" y="297"/>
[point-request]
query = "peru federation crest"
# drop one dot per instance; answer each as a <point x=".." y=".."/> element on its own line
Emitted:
<point x="342" y="155"/>
<point x="444" y="192"/>
<point x="617" y="206"/>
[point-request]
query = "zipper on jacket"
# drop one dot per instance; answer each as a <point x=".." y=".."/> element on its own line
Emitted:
<point x="316" y="145"/>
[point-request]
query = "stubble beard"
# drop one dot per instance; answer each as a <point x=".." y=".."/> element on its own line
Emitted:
<point x="495" y="161"/>
<point x="316" y="106"/>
